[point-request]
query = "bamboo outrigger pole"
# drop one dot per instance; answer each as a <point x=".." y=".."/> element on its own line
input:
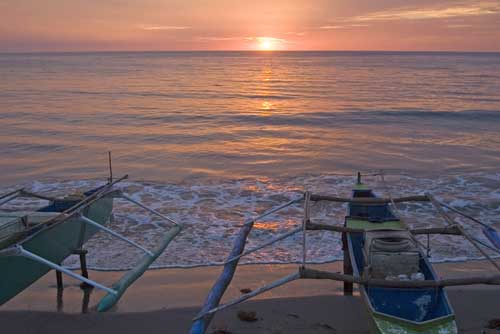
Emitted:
<point x="319" y="274"/>
<point x="452" y="230"/>
<point x="464" y="233"/>
<point x="204" y="318"/>
<point x="367" y="200"/>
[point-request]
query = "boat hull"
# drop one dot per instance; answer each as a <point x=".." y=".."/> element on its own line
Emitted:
<point x="54" y="243"/>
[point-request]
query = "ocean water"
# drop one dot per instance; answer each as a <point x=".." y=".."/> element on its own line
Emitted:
<point x="212" y="138"/>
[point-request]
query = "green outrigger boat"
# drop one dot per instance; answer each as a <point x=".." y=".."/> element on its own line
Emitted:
<point x="33" y="243"/>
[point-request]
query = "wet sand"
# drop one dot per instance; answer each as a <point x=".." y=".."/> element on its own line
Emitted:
<point x="164" y="301"/>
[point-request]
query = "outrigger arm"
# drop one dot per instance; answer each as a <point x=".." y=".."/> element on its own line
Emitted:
<point x="18" y="250"/>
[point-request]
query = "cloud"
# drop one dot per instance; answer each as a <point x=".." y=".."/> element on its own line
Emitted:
<point x="441" y="12"/>
<point x="269" y="39"/>
<point x="459" y="26"/>
<point x="343" y="26"/>
<point x="155" y="28"/>
<point x="218" y="38"/>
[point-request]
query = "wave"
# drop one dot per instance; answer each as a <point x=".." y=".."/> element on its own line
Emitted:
<point x="213" y="211"/>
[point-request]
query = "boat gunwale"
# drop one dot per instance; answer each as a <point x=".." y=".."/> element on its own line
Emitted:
<point x="42" y="227"/>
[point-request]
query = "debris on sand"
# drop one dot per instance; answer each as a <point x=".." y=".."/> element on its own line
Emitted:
<point x="249" y="316"/>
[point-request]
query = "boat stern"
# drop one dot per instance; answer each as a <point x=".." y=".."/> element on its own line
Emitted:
<point x="385" y="325"/>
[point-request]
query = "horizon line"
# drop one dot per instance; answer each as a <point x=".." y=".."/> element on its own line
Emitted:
<point x="246" y="51"/>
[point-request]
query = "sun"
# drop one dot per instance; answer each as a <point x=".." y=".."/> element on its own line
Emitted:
<point x="266" y="43"/>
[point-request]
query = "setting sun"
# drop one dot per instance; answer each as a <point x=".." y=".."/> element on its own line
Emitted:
<point x="265" y="44"/>
<point x="268" y="43"/>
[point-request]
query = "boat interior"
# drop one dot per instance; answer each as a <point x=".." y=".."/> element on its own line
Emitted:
<point x="428" y="303"/>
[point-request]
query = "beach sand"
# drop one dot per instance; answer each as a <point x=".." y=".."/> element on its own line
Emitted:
<point x="165" y="301"/>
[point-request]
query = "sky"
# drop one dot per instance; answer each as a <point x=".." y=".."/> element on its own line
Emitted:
<point x="119" y="25"/>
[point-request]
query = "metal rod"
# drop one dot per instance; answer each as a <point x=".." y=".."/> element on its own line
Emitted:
<point x="466" y="235"/>
<point x="28" y="254"/>
<point x="249" y="295"/>
<point x="307" y="198"/>
<point x="110" y="167"/>
<point x="267" y="213"/>
<point x="14" y="196"/>
<point x="270" y="242"/>
<point x="10" y="193"/>
<point x="113" y="233"/>
<point x="462" y="214"/>
<point x="148" y="209"/>
<point x="496" y="250"/>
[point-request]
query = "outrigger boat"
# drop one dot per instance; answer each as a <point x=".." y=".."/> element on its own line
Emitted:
<point x="387" y="250"/>
<point x="382" y="255"/>
<point x="33" y="243"/>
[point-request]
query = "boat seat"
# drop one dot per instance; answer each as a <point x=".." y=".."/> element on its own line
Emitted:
<point x="390" y="253"/>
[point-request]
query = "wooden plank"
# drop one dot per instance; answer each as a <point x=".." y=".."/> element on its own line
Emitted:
<point x="451" y="230"/>
<point x="473" y="280"/>
<point x="368" y="200"/>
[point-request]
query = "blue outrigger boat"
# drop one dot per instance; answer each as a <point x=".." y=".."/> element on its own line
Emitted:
<point x="401" y="291"/>
<point x="387" y="250"/>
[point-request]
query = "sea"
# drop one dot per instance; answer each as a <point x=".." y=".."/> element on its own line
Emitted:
<point x="214" y="138"/>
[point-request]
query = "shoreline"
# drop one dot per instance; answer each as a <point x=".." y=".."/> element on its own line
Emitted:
<point x="166" y="300"/>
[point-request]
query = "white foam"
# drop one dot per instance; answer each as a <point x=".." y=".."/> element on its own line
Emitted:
<point x="213" y="212"/>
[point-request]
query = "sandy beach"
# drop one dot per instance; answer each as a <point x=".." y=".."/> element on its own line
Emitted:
<point x="164" y="301"/>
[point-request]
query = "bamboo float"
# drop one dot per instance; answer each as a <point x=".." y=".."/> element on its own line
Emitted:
<point x="464" y="233"/>
<point x="214" y="296"/>
<point x="131" y="276"/>
<point x="307" y="273"/>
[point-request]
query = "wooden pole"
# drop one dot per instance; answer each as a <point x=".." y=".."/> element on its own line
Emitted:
<point x="82" y="254"/>
<point x="110" y="167"/>
<point x="214" y="296"/>
<point x="307" y="198"/>
<point x="220" y="286"/>
<point x="464" y="233"/>
<point x="59" y="280"/>
<point x="452" y="230"/>
<point x="348" y="286"/>
<point x="368" y="200"/>
<point x="318" y="274"/>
